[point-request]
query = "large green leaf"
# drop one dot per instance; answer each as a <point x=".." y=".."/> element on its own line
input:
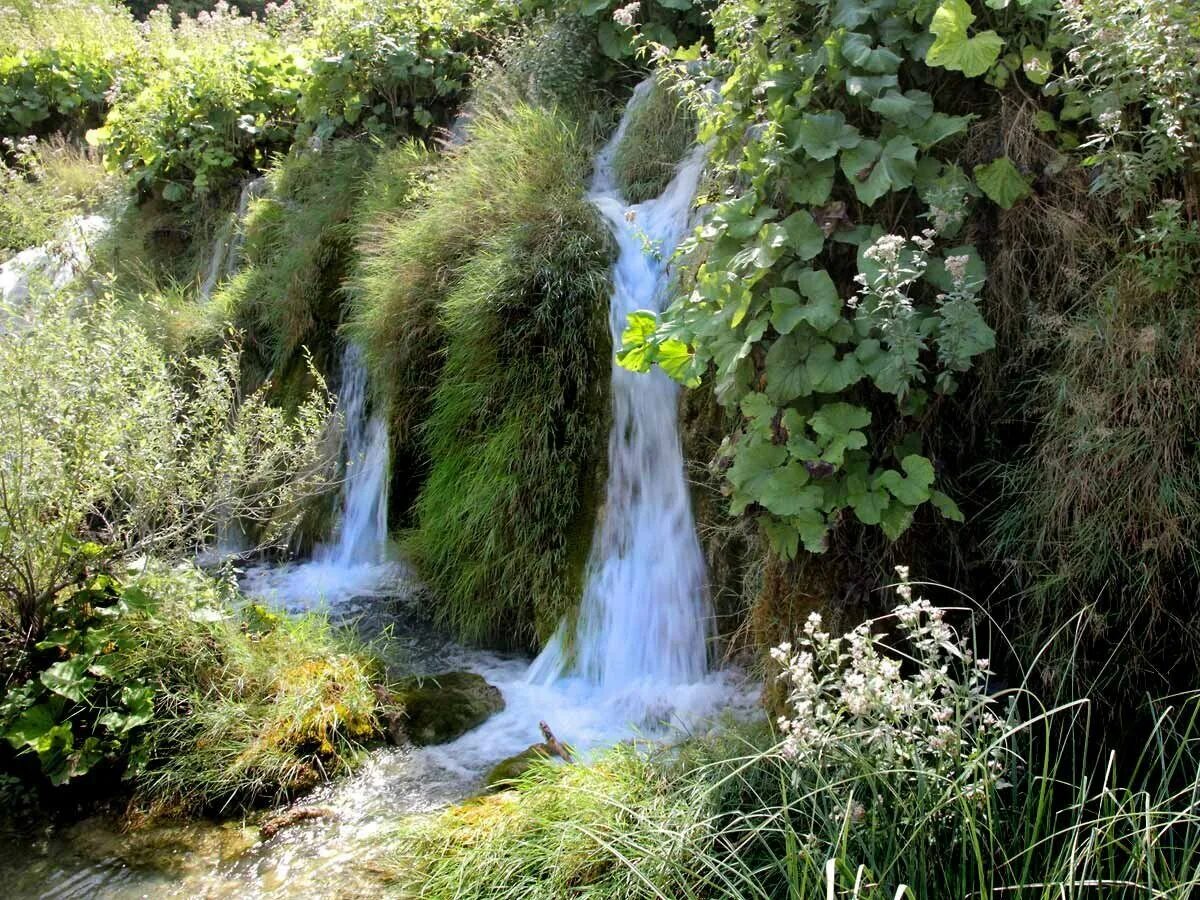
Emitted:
<point x="875" y="169"/>
<point x="809" y="181"/>
<point x="912" y="488"/>
<point x="69" y="678"/>
<point x="804" y="235"/>
<point x="953" y="48"/>
<point x="858" y="49"/>
<point x="822" y="310"/>
<point x="823" y="135"/>
<point x="838" y="425"/>
<point x="1002" y="182"/>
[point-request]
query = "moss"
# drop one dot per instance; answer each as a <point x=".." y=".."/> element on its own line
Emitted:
<point x="439" y="708"/>
<point x="484" y="314"/>
<point x="661" y="130"/>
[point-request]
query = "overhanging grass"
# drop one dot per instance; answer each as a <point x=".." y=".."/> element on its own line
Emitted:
<point x="484" y="316"/>
<point x="733" y="817"/>
<point x="660" y="131"/>
<point x="286" y="298"/>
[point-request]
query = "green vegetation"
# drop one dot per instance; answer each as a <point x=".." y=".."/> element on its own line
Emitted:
<point x="44" y="184"/>
<point x="504" y="265"/>
<point x="156" y="678"/>
<point x="285" y="297"/>
<point x="887" y="783"/>
<point x="660" y="131"/>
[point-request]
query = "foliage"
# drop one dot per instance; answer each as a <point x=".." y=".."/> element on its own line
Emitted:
<point x="105" y="441"/>
<point x="1133" y="75"/>
<point x="379" y="65"/>
<point x="222" y="98"/>
<point x="43" y="185"/>
<point x="1094" y="509"/>
<point x="503" y="264"/>
<point x="550" y="59"/>
<point x="898" y="776"/>
<point x="156" y="677"/>
<point x="832" y="319"/>
<point x="660" y="131"/>
<point x="58" y="60"/>
<point x="295" y="255"/>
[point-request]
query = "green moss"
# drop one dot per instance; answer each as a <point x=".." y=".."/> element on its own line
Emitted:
<point x="439" y="708"/>
<point x="484" y="315"/>
<point x="660" y="131"/>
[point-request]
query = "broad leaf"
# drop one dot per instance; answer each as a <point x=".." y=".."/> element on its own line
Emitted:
<point x="953" y="49"/>
<point x="1002" y="182"/>
<point x="823" y="135"/>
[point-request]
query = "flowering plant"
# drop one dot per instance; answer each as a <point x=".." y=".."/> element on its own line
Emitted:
<point x="880" y="717"/>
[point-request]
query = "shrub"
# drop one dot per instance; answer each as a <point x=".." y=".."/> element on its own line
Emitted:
<point x="59" y="60"/>
<point x="503" y="264"/>
<point x="107" y="442"/>
<point x="222" y="99"/>
<point x="898" y="775"/>
<point x="155" y="676"/>
<point x="380" y="65"/>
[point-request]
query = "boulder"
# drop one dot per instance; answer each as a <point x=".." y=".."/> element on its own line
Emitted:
<point x="439" y="708"/>
<point x="505" y="772"/>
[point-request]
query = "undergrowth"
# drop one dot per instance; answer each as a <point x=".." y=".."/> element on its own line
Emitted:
<point x="900" y="774"/>
<point x="483" y="315"/>
<point x="661" y="129"/>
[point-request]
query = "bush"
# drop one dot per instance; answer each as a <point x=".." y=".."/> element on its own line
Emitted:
<point x="898" y="775"/>
<point x="157" y="678"/>
<point x="381" y="66"/>
<point x="222" y="98"/>
<point x="106" y="442"/>
<point x="503" y="264"/>
<point x="59" y="60"/>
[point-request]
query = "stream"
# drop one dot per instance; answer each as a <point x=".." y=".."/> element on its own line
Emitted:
<point x="636" y="664"/>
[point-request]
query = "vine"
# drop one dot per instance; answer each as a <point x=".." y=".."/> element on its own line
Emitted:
<point x="830" y="293"/>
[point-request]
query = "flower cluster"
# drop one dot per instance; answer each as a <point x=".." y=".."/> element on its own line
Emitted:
<point x="917" y="706"/>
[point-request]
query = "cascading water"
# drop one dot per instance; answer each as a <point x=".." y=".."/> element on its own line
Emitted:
<point x="227" y="249"/>
<point x="353" y="563"/>
<point x="361" y="533"/>
<point x="644" y="619"/>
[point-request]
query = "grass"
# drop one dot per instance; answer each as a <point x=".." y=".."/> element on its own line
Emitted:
<point x="51" y="182"/>
<point x="1095" y="512"/>
<point x="250" y="707"/>
<point x="484" y="317"/>
<point x="735" y="816"/>
<point x="297" y="250"/>
<point x="660" y="131"/>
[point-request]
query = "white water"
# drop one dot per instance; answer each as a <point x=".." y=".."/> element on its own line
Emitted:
<point x="353" y="563"/>
<point x="227" y="249"/>
<point x="644" y="622"/>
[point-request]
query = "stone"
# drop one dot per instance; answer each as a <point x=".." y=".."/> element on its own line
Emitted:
<point x="439" y="708"/>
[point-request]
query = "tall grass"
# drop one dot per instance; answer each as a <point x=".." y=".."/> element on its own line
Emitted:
<point x="746" y="816"/>
<point x="250" y="707"/>
<point x="297" y="250"/>
<point x="661" y="129"/>
<point x="484" y="316"/>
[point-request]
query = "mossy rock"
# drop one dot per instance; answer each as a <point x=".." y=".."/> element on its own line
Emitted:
<point x="440" y="708"/>
<point x="509" y="770"/>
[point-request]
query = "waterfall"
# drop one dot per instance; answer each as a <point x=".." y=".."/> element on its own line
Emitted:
<point x="645" y="614"/>
<point x="227" y="248"/>
<point x="361" y="534"/>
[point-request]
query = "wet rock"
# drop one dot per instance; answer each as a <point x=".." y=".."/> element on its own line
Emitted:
<point x="504" y="773"/>
<point x="291" y="817"/>
<point x="440" y="708"/>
